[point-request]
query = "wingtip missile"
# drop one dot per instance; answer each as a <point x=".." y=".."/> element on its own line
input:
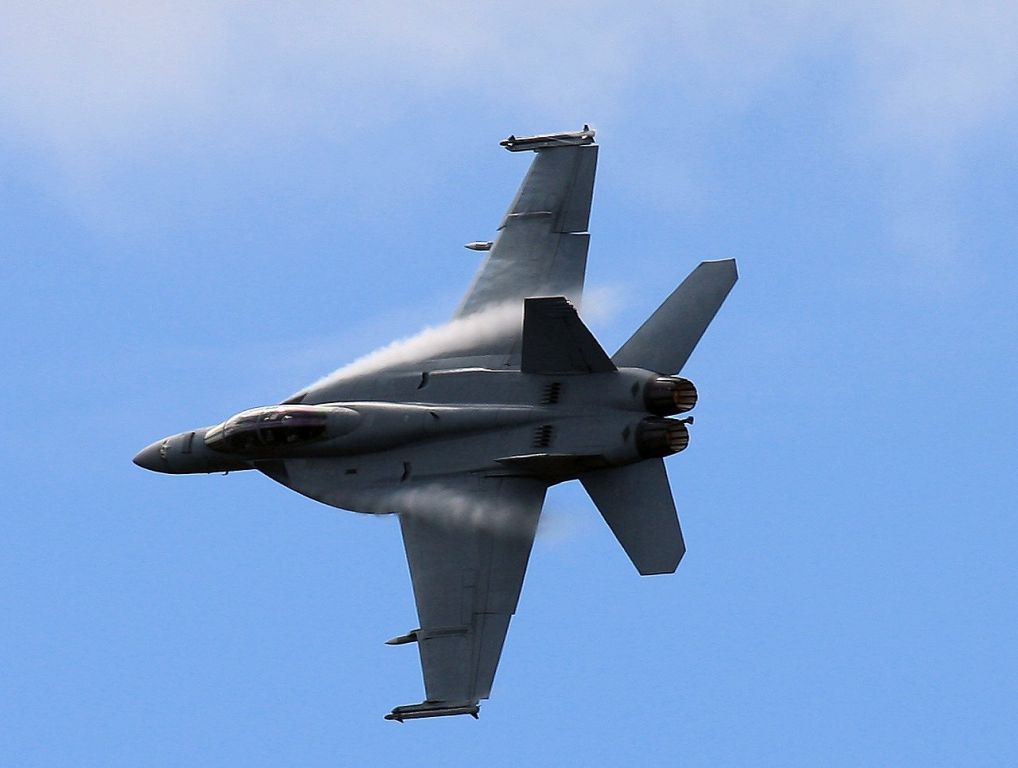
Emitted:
<point x="547" y="140"/>
<point x="424" y="709"/>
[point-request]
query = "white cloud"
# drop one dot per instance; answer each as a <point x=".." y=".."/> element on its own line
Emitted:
<point x="79" y="74"/>
<point x="91" y="88"/>
<point x="115" y="77"/>
<point x="933" y="72"/>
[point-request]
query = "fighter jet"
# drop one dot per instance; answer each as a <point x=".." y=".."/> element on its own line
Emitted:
<point x="461" y="433"/>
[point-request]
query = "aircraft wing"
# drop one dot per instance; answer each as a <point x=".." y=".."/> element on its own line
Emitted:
<point x="467" y="540"/>
<point x="541" y="248"/>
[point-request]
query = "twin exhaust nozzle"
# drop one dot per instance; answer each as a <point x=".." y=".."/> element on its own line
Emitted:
<point x="668" y="395"/>
<point x="665" y="396"/>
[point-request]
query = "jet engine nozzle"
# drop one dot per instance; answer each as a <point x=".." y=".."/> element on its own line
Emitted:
<point x="656" y="438"/>
<point x="667" y="395"/>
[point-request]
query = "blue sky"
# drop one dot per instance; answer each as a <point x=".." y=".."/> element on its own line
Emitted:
<point x="207" y="205"/>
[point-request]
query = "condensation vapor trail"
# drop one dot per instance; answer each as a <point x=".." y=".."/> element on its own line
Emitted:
<point x="461" y="336"/>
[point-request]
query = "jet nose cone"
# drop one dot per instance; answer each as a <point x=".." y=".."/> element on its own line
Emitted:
<point x="152" y="457"/>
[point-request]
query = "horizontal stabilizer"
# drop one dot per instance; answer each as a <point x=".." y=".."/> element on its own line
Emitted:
<point x="667" y="339"/>
<point x="555" y="340"/>
<point x="636" y="502"/>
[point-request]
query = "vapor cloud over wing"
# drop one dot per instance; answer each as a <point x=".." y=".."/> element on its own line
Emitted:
<point x="462" y="336"/>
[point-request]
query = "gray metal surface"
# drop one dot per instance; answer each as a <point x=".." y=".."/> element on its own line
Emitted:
<point x="541" y="248"/>
<point x="467" y="541"/>
<point x="667" y="339"/>
<point x="462" y="438"/>
<point x="556" y="341"/>
<point x="636" y="502"/>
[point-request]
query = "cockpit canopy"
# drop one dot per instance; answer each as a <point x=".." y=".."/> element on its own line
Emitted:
<point x="270" y="427"/>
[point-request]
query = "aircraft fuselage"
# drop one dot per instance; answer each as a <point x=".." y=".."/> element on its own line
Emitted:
<point x="440" y="422"/>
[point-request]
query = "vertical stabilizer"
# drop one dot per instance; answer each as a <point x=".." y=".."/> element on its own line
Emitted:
<point x="667" y="339"/>
<point x="636" y="502"/>
<point x="555" y="340"/>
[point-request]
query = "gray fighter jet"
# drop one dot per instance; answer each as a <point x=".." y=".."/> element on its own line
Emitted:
<point x="461" y="431"/>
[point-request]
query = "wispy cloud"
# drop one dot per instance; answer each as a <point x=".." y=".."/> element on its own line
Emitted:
<point x="114" y="77"/>
<point x="935" y="72"/>
<point x="88" y="89"/>
<point x="107" y="76"/>
<point x="111" y="78"/>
